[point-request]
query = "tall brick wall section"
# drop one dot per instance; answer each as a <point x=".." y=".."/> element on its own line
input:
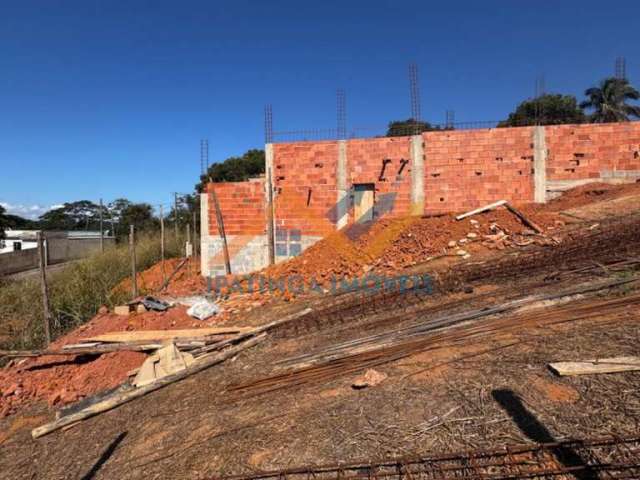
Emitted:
<point x="242" y="205"/>
<point x="467" y="169"/>
<point x="305" y="182"/>
<point x="393" y="186"/>
<point x="579" y="152"/>
<point x="461" y="170"/>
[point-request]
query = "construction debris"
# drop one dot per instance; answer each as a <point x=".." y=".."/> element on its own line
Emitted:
<point x="444" y="330"/>
<point x="597" y="366"/>
<point x="523" y="218"/>
<point x="166" y="361"/>
<point x="152" y="303"/>
<point x="609" y="457"/>
<point x="370" y="378"/>
<point x="486" y="208"/>
<point x="159" y="335"/>
<point x="93" y="348"/>
<point x="120" y="398"/>
<point x="123" y="310"/>
<point x="203" y="309"/>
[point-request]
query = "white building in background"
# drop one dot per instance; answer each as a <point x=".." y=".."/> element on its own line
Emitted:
<point x="16" y="240"/>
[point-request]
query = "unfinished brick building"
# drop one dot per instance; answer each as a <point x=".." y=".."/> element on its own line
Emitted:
<point x="311" y="189"/>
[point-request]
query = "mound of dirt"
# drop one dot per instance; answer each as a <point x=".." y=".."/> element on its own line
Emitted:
<point x="60" y="380"/>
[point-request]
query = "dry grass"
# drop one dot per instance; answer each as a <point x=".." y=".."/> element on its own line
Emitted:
<point x="76" y="292"/>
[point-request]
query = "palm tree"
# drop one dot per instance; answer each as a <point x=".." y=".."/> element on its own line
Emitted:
<point x="609" y="101"/>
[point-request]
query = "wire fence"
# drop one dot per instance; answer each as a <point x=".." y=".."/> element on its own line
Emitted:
<point x="399" y="129"/>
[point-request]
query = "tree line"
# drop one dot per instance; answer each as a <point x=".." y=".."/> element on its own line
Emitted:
<point x="117" y="217"/>
<point x="608" y="102"/>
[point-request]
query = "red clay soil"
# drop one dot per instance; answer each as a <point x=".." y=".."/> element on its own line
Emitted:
<point x="386" y="246"/>
<point x="59" y="380"/>
<point x="186" y="281"/>
<point x="392" y="244"/>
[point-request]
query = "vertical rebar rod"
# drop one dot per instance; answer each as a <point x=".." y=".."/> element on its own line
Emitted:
<point x="621" y="68"/>
<point x="414" y="90"/>
<point x="341" y="101"/>
<point x="268" y="124"/>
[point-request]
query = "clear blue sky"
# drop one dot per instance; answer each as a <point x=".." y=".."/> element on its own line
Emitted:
<point x="110" y="99"/>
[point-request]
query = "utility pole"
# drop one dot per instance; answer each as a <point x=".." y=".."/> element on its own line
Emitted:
<point x="43" y="285"/>
<point x="164" y="274"/>
<point x="175" y="215"/>
<point x="101" y="229"/>
<point x="132" y="250"/>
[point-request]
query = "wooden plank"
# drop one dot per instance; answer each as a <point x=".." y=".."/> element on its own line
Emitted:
<point x="80" y="350"/>
<point x="601" y="365"/>
<point x="535" y="227"/>
<point x="491" y="206"/>
<point x="151" y="335"/>
<point x="121" y="398"/>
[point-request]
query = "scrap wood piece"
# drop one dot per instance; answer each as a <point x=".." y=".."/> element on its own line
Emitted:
<point x="601" y="365"/>
<point x="491" y="206"/>
<point x="150" y="335"/>
<point x="120" y="398"/>
<point x="168" y="280"/>
<point x="533" y="226"/>
<point x="165" y="361"/>
<point x="83" y="350"/>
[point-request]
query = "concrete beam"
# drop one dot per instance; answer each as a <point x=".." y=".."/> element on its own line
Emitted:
<point x="269" y="202"/>
<point x="342" y="211"/>
<point x="417" y="175"/>
<point x="204" y="234"/>
<point x="539" y="165"/>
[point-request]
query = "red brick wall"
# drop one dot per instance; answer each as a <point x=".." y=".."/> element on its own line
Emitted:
<point x="364" y="165"/>
<point x="584" y="151"/>
<point x="465" y="169"/>
<point x="462" y="170"/>
<point x="242" y="205"/>
<point x="305" y="182"/>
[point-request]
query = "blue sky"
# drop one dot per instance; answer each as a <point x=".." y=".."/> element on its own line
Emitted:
<point x="110" y="99"/>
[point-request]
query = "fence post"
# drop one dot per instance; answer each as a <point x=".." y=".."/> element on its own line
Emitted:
<point x="45" y="290"/>
<point x="164" y="273"/>
<point x="132" y="249"/>
<point x="101" y="229"/>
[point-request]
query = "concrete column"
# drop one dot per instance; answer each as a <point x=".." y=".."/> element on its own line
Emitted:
<point x="204" y="234"/>
<point x="539" y="165"/>
<point x="342" y="211"/>
<point x="417" y="175"/>
<point x="268" y="192"/>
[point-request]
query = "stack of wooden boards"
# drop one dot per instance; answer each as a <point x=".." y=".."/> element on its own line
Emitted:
<point x="171" y="362"/>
